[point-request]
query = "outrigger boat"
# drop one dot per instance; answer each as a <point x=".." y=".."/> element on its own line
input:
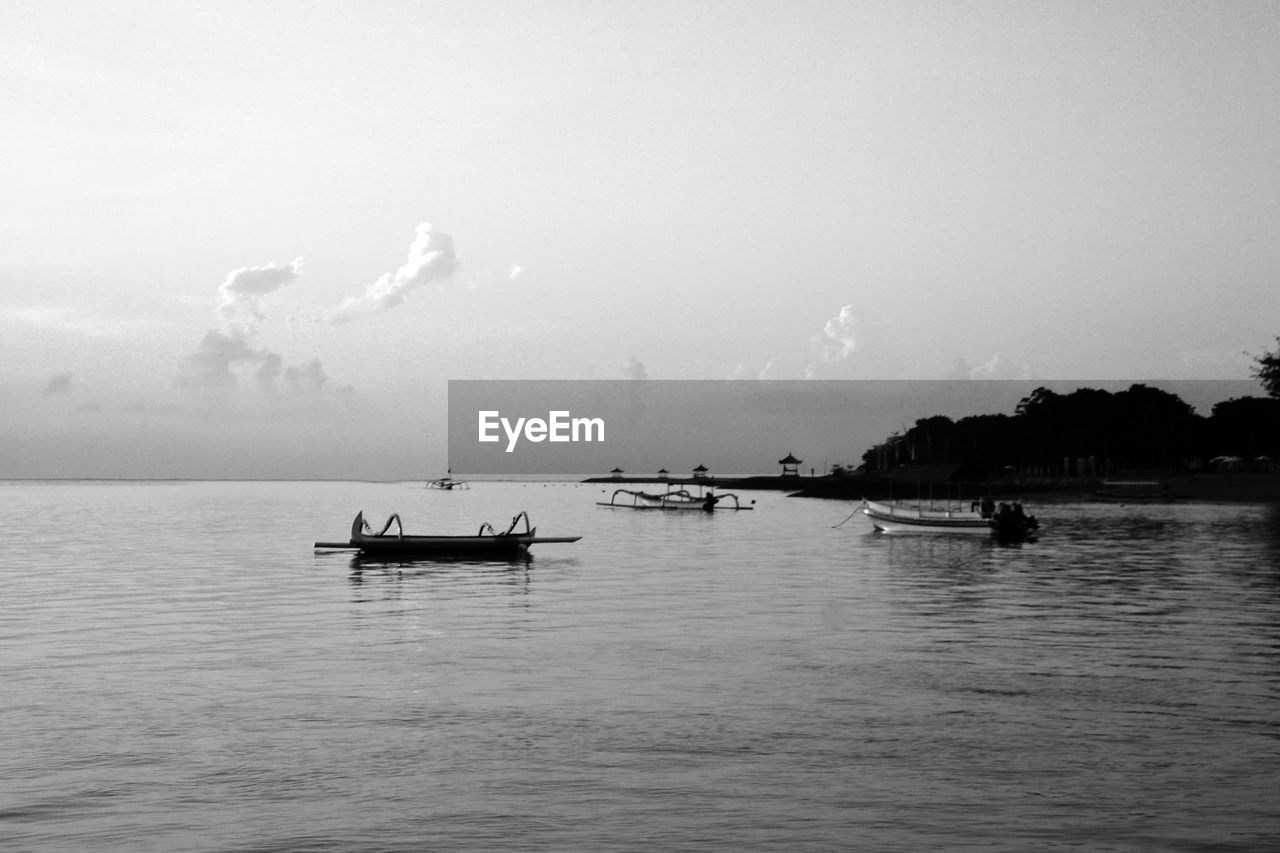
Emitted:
<point x="487" y="541"/>
<point x="672" y="501"/>
<point x="1007" y="521"/>
<point x="447" y="483"/>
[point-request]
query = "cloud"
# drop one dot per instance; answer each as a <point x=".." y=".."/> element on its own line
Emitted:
<point x="634" y="369"/>
<point x="839" y="333"/>
<point x="431" y="258"/>
<point x="222" y="354"/>
<point x="242" y="289"/>
<point x="817" y="358"/>
<point x="270" y="369"/>
<point x="309" y="377"/>
<point x="59" y="383"/>
<point x="837" y="341"/>
<point x="210" y="365"/>
<point x="226" y="352"/>
<point x="233" y="349"/>
<point x="999" y="367"/>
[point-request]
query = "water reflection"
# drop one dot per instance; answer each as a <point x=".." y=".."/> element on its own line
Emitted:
<point x="1108" y="568"/>
<point x="1269" y="527"/>
<point x="935" y="551"/>
<point x="383" y="579"/>
<point x="360" y="563"/>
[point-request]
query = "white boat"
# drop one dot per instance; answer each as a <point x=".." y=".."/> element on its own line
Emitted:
<point x="1133" y="491"/>
<point x="1008" y="520"/>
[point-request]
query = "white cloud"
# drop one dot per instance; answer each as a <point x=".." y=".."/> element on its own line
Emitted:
<point x="816" y="358"/>
<point x="232" y="351"/>
<point x="242" y="289"/>
<point x="839" y="333"/>
<point x="827" y="354"/>
<point x="431" y="258"/>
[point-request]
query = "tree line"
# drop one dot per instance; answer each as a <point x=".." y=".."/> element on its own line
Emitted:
<point x="1091" y="432"/>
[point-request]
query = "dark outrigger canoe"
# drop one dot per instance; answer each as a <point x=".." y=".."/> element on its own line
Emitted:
<point x="487" y="541"/>
<point x="672" y="501"/>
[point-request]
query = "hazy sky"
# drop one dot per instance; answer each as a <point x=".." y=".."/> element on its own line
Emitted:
<point x="256" y="239"/>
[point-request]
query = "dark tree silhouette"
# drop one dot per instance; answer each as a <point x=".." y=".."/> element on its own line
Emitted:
<point x="1088" y="430"/>
<point x="1266" y="369"/>
<point x="1246" y="426"/>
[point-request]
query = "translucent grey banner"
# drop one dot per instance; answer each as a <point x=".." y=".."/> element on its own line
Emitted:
<point x="589" y="428"/>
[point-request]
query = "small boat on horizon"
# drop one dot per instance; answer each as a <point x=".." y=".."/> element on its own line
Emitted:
<point x="447" y="483"/>
<point x="1133" y="492"/>
<point x="1008" y="520"/>
<point x="486" y="541"/>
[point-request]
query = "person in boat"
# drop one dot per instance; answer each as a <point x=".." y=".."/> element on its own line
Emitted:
<point x="710" y="501"/>
<point x="1012" y="520"/>
<point x="987" y="507"/>
<point x="1025" y="522"/>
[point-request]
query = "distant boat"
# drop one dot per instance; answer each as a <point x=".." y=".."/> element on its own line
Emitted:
<point x="447" y="483"/>
<point x="486" y="542"/>
<point x="1007" y="520"/>
<point x="1133" y="491"/>
<point x="673" y="501"/>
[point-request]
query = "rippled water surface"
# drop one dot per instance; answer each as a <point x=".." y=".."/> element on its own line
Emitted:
<point x="182" y="671"/>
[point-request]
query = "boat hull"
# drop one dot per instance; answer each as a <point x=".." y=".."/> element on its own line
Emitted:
<point x="429" y="546"/>
<point x="484" y="543"/>
<point x="442" y="545"/>
<point x="889" y="518"/>
<point x="893" y="519"/>
<point x="669" y="507"/>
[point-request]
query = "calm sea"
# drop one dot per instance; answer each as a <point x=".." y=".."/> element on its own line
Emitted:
<point x="182" y="672"/>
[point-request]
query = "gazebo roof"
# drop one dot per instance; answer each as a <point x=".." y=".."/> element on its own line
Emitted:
<point x="790" y="460"/>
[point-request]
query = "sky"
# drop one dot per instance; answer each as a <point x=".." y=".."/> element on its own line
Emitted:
<point x="257" y="239"/>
